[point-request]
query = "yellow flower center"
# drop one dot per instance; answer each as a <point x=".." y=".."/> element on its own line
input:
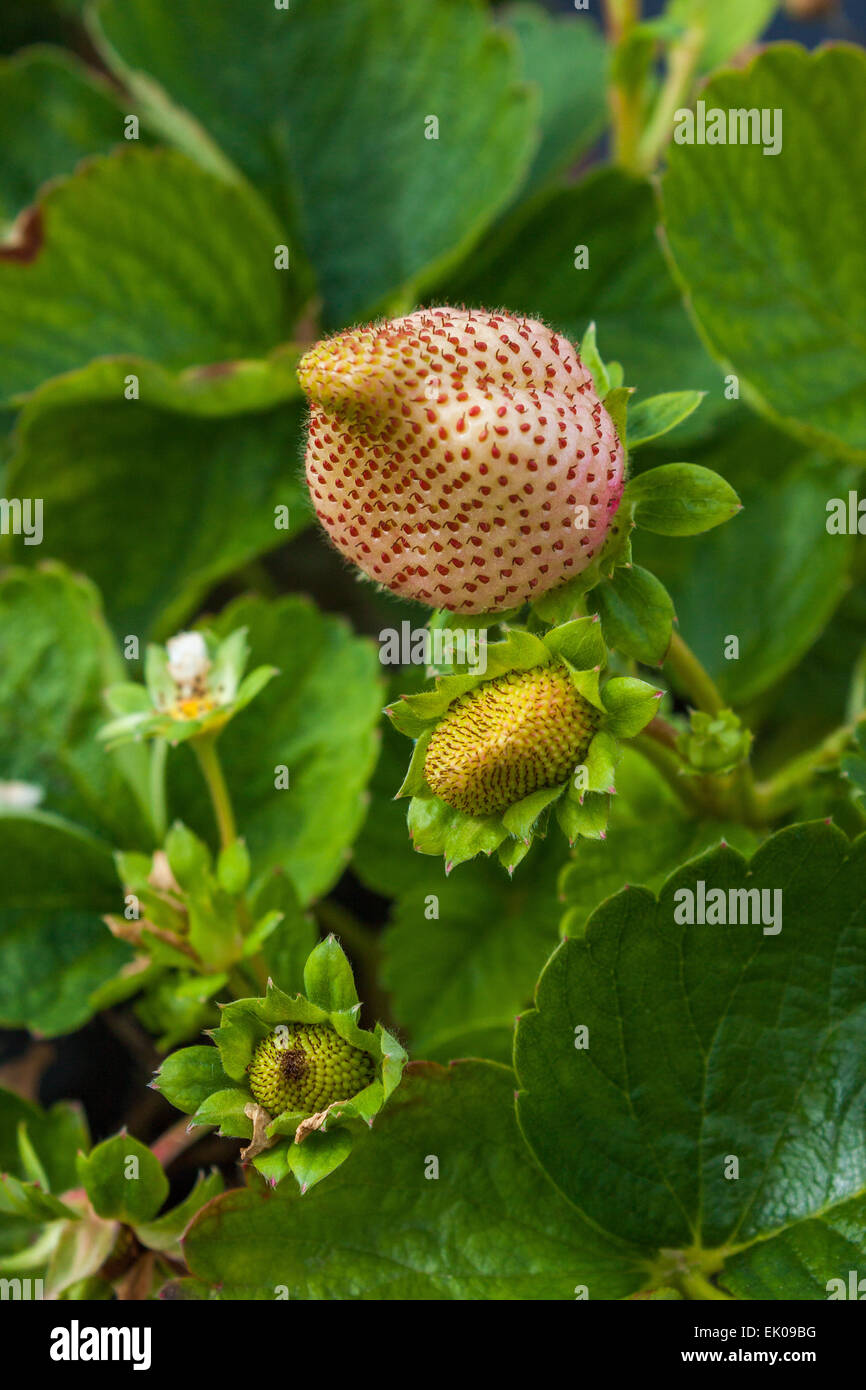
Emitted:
<point x="192" y="708"/>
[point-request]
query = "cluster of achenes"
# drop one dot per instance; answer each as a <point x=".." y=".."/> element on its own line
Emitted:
<point x="292" y="1074"/>
<point x="472" y="461"/>
<point x="494" y="755"/>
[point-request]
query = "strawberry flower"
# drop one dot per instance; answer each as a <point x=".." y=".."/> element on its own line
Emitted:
<point x="192" y="687"/>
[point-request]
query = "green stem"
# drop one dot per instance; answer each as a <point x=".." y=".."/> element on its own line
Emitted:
<point x="208" y="761"/>
<point x="692" y="678"/>
<point x="697" y="1286"/>
<point x="620" y="15"/>
<point x="781" y="792"/>
<point x="693" y="791"/>
<point x="158" y="754"/>
<point x="625" y="99"/>
<point x="682" y="61"/>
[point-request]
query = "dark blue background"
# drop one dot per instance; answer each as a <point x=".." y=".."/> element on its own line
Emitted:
<point x="849" y="21"/>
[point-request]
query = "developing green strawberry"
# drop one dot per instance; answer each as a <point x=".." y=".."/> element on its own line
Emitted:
<point x="306" y="1068"/>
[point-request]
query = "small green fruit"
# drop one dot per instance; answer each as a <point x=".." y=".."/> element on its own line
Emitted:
<point x="304" y="1067"/>
<point x="511" y="736"/>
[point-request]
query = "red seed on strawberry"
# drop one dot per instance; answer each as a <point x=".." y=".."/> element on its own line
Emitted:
<point x="459" y="457"/>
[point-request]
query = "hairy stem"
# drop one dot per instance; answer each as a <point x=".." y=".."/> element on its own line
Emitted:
<point x="158" y="755"/>
<point x="781" y="792"/>
<point x="682" y="61"/>
<point x="625" y="98"/>
<point x="211" y="767"/>
<point x="697" y="1286"/>
<point x="176" y="1140"/>
<point x="656" y="743"/>
<point x="692" y="678"/>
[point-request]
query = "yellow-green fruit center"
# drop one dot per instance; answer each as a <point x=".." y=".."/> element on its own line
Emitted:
<point x="306" y="1066"/>
<point x="509" y="737"/>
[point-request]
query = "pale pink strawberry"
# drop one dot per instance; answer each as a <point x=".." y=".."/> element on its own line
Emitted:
<point x="451" y="454"/>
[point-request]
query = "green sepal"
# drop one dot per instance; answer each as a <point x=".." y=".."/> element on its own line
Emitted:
<point x="592" y="360"/>
<point x="520" y="651"/>
<point x="273" y="1163"/>
<point x="225" y="1109"/>
<point x="579" y="642"/>
<point x="189" y="1075"/>
<point x="233" y="868"/>
<point x="680" y="499"/>
<point x="227" y="663"/>
<point x="512" y="852"/>
<point x="328" y="978"/>
<point x="616" y="404"/>
<point x="188" y="857"/>
<point x="127" y="698"/>
<point x="320" y="1154"/>
<point x="30" y="1160"/>
<point x="158" y="682"/>
<point x="637" y="613"/>
<point x="259" y="933"/>
<point x="601" y="762"/>
<point x="656" y="416"/>
<point x="630" y="704"/>
<point x="587" y="818"/>
<point x="521" y="818"/>
<point x="415" y="783"/>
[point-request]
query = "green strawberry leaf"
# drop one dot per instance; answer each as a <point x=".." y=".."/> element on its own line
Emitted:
<point x="728" y="27"/>
<point x="209" y="292"/>
<point x="55" y="883"/>
<point x="772" y="577"/>
<point x="288" y="95"/>
<point x="314" y="726"/>
<point x="56" y="658"/>
<point x="123" y="1180"/>
<point x="461" y="953"/>
<point x="703" y="1111"/>
<point x="55" y="1135"/>
<point x="817" y="1259"/>
<point x="777" y="298"/>
<point x="461" y="1213"/>
<point x="565" y="56"/>
<point x="528" y="263"/>
<point x="213" y="492"/>
<point x="53" y="112"/>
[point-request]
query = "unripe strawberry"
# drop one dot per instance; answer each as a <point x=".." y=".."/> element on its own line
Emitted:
<point x="511" y="736"/>
<point x="461" y="458"/>
<point x="304" y="1067"/>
